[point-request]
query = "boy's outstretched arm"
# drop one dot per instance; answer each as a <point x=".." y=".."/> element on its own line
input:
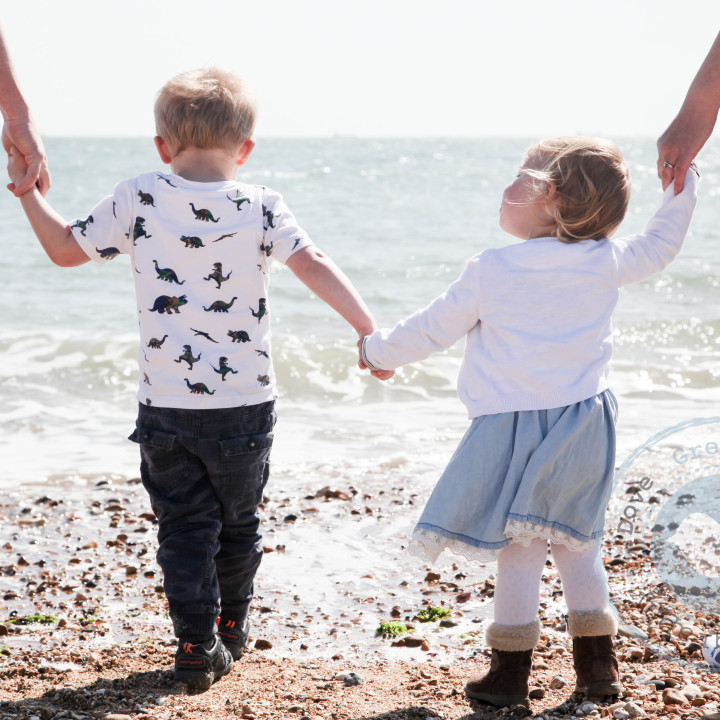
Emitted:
<point x="50" y="228"/>
<point x="321" y="275"/>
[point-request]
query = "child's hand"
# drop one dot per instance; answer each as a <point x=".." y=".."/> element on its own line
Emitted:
<point x="379" y="374"/>
<point x="17" y="167"/>
<point x="382" y="374"/>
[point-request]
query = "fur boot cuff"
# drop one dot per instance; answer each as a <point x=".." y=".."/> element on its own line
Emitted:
<point x="513" y="637"/>
<point x="591" y="623"/>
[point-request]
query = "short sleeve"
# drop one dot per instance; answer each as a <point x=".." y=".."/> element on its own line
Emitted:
<point x="281" y="232"/>
<point x="106" y="231"/>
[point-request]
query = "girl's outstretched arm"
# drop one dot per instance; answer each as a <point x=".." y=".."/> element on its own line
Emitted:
<point x="433" y="329"/>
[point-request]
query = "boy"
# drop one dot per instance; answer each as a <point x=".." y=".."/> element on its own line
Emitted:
<point x="200" y="244"/>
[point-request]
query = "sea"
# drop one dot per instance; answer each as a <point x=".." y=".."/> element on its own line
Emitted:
<point x="400" y="217"/>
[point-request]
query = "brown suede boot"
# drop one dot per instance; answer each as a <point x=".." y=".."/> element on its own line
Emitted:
<point x="596" y="666"/>
<point x="506" y="682"/>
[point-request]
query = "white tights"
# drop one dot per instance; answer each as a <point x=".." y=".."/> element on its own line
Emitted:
<point x="517" y="587"/>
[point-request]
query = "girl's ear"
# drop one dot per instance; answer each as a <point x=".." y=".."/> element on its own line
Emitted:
<point x="550" y="196"/>
<point x="550" y="191"/>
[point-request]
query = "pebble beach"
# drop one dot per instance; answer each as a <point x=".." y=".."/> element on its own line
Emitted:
<point x="84" y="630"/>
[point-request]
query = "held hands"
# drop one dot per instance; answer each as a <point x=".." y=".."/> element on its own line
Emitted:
<point x="17" y="167"/>
<point x="379" y="374"/>
<point x="679" y="144"/>
<point x="24" y="139"/>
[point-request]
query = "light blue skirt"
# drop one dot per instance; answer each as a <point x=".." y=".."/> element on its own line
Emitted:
<point x="522" y="475"/>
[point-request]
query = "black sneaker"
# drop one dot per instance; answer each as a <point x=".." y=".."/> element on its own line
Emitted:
<point x="234" y="635"/>
<point x="199" y="667"/>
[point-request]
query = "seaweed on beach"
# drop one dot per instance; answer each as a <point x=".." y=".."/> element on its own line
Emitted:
<point x="392" y="628"/>
<point x="431" y="614"/>
<point x="32" y="619"/>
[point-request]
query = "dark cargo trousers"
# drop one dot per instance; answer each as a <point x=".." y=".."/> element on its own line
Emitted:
<point x="205" y="471"/>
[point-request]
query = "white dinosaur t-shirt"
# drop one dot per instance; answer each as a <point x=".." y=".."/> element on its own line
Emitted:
<point x="199" y="253"/>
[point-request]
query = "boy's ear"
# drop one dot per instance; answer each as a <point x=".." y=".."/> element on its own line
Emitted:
<point x="244" y="152"/>
<point x="163" y="150"/>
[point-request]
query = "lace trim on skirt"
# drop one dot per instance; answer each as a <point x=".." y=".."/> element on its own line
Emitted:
<point x="428" y="544"/>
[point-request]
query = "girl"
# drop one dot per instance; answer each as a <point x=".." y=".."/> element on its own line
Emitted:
<point x="536" y="464"/>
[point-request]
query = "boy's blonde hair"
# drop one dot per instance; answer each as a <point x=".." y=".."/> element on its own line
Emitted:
<point x="591" y="185"/>
<point x="205" y="108"/>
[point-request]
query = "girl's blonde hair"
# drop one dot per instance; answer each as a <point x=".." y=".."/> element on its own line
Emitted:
<point x="587" y="184"/>
<point x="205" y="108"/>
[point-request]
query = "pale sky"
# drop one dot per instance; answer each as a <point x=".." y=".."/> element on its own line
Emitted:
<point x="372" y="68"/>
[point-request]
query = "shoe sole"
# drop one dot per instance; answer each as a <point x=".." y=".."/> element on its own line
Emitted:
<point x="600" y="689"/>
<point x="499" y="700"/>
<point x="199" y="681"/>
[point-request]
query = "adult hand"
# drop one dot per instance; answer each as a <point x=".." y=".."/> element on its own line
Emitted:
<point x="26" y="139"/>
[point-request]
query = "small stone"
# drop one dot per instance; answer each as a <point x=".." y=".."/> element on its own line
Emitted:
<point x="536" y="694"/>
<point x="635" y="653"/>
<point x="691" y="691"/>
<point x="3" y="630"/>
<point x="587" y="707"/>
<point x="558" y="682"/>
<point x="261" y="644"/>
<point x="621" y="714"/>
<point x="671" y="696"/>
<point x="414" y="641"/>
<point x="633" y="710"/>
<point x="351" y="679"/>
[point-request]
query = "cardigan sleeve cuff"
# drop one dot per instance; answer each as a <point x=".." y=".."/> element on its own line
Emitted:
<point x="363" y="355"/>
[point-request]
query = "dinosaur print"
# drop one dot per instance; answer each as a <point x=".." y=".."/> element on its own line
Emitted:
<point x="108" y="252"/>
<point x="262" y="310"/>
<point x="146" y="198"/>
<point x="155" y="343"/>
<point x="264" y="380"/>
<point x="139" y="229"/>
<point x="217" y="275"/>
<point x="167" y="303"/>
<point x="82" y="224"/>
<point x="193" y="241"/>
<point x="199" y="388"/>
<point x="203" y="214"/>
<point x="167" y="274"/>
<point x="187" y="356"/>
<point x="239" y="336"/>
<point x="267" y="249"/>
<point x="220" y="306"/>
<point x="162" y="177"/>
<point x="269" y="216"/>
<point x="203" y="334"/>
<point x="227" y="235"/>
<point x="224" y="369"/>
<point x="263" y="353"/>
<point x="239" y="200"/>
